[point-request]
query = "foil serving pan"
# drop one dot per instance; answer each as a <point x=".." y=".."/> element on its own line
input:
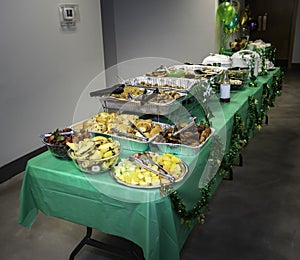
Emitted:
<point x="180" y="149"/>
<point x="146" y="108"/>
<point x="201" y="68"/>
<point x="132" y="143"/>
<point x="166" y="83"/>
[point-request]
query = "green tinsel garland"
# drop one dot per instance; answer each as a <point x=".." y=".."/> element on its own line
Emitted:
<point x="239" y="139"/>
<point x="266" y="101"/>
<point x="187" y="216"/>
<point x="197" y="211"/>
<point x="254" y="116"/>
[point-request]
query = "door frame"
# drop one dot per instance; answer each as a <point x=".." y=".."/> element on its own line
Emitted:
<point x="292" y="34"/>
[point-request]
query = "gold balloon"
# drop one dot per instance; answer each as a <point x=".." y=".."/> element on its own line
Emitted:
<point x="244" y="18"/>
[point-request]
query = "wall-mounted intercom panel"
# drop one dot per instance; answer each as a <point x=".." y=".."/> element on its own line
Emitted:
<point x="68" y="15"/>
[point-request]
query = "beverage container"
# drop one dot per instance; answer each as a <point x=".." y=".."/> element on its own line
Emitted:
<point x="225" y="87"/>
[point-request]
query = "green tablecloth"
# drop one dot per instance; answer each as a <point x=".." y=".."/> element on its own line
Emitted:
<point x="143" y="216"/>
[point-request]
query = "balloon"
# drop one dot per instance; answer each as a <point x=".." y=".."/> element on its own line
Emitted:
<point x="244" y="18"/>
<point x="253" y="25"/>
<point x="233" y="22"/>
<point x="236" y="4"/>
<point x="244" y="15"/>
<point x="226" y="12"/>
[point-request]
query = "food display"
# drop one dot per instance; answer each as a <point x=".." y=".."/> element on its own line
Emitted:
<point x="56" y="142"/>
<point x="157" y="73"/>
<point x="94" y="145"/>
<point x="139" y="128"/>
<point x="209" y="70"/>
<point x="132" y="132"/>
<point x="193" y="136"/>
<point x="239" y="44"/>
<point x="94" y="155"/>
<point x="149" y="170"/>
<point x="198" y="72"/>
<point x="131" y="93"/>
<point x="164" y="97"/>
<point x="236" y="84"/>
<point x="238" y="73"/>
<point x="188" y="72"/>
<point x="114" y="124"/>
<point x="188" y="141"/>
<point x="146" y="100"/>
<point x="167" y="83"/>
<point x="127" y="92"/>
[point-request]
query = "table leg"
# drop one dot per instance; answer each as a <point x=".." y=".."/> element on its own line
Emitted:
<point x="241" y="160"/>
<point x="266" y="119"/>
<point x="87" y="240"/>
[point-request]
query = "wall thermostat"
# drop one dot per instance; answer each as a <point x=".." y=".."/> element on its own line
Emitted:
<point x="68" y="15"/>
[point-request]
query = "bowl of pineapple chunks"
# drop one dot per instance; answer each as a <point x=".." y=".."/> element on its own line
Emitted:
<point x="129" y="173"/>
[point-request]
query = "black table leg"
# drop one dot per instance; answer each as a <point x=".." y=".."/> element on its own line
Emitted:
<point x="241" y="160"/>
<point x="88" y="240"/>
<point x="229" y="175"/>
<point x="266" y="119"/>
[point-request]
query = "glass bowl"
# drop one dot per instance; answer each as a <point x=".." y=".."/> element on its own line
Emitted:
<point x="99" y="165"/>
<point x="238" y="73"/>
<point x="58" y="150"/>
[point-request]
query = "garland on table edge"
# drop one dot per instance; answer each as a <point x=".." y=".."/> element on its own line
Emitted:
<point x="197" y="211"/>
<point x="239" y="139"/>
<point x="254" y="116"/>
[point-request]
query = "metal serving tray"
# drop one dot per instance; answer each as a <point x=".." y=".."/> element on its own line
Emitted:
<point x="185" y="171"/>
<point x="179" y="149"/>
<point x="166" y="83"/>
<point x="212" y="70"/>
<point x="137" y="105"/>
<point x="132" y="144"/>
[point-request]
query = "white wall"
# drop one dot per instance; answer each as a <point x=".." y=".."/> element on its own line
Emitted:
<point x="296" y="51"/>
<point x="173" y="29"/>
<point x="43" y="71"/>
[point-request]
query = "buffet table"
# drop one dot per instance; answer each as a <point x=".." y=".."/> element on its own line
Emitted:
<point x="154" y="222"/>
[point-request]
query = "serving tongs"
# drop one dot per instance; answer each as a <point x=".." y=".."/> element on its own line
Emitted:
<point x="163" y="68"/>
<point x="116" y="89"/>
<point x="145" y="161"/>
<point x="131" y="136"/>
<point x="145" y="98"/>
<point x="131" y="124"/>
<point x="192" y="123"/>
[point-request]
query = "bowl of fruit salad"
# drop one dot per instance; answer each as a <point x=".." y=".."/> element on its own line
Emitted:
<point x="94" y="155"/>
<point x="56" y="142"/>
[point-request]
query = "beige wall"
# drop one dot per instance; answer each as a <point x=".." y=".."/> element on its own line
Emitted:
<point x="43" y="70"/>
<point x="173" y="29"/>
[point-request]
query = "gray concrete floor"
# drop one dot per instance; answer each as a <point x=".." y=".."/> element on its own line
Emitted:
<point x="255" y="216"/>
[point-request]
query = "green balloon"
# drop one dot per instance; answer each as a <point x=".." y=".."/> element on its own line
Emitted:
<point x="233" y="22"/>
<point x="226" y="12"/>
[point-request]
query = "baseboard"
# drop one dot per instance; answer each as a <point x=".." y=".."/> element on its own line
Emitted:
<point x="17" y="166"/>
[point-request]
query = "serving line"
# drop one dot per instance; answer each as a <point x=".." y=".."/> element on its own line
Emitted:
<point x="57" y="188"/>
